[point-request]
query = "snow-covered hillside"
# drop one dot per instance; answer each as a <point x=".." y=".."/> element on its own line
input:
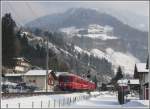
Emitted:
<point x="99" y="54"/>
<point x="92" y="31"/>
<point x="125" y="60"/>
<point x="98" y="36"/>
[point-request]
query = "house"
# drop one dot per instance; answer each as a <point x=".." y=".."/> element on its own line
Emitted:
<point x="14" y="77"/>
<point x="134" y="85"/>
<point x="110" y="87"/>
<point x="21" y="65"/>
<point x="142" y="73"/>
<point x="38" y="78"/>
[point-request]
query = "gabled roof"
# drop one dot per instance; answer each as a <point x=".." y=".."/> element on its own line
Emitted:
<point x="13" y="74"/>
<point x="133" y="81"/>
<point x="36" y="73"/>
<point x="126" y="81"/>
<point x="21" y="58"/>
<point x="122" y="81"/>
<point x="141" y="67"/>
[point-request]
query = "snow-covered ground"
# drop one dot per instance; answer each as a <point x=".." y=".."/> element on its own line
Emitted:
<point x="109" y="100"/>
<point x="44" y="101"/>
<point x="104" y="100"/>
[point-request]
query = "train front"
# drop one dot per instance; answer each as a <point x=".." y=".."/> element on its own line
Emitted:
<point x="65" y="82"/>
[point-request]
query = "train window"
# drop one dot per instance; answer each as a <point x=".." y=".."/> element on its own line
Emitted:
<point x="65" y="78"/>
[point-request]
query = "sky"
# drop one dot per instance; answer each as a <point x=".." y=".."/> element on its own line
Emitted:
<point x="23" y="11"/>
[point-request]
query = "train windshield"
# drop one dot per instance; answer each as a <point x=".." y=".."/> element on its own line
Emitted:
<point x="65" y="78"/>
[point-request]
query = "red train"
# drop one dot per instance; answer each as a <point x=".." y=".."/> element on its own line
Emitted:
<point x="72" y="82"/>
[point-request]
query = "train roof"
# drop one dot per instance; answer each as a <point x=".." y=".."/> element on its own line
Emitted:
<point x="71" y="74"/>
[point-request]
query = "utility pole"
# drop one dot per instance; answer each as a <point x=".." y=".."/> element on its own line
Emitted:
<point x="149" y="60"/>
<point x="47" y="58"/>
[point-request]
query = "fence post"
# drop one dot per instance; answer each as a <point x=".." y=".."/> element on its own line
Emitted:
<point x="67" y="101"/>
<point x="32" y="104"/>
<point x="64" y="102"/>
<point x="41" y="104"/>
<point x="19" y="105"/>
<point x="48" y="103"/>
<point x="6" y="105"/>
<point x="59" y="103"/>
<point x="54" y="103"/>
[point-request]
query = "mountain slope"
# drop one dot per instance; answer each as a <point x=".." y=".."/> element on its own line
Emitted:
<point x="63" y="56"/>
<point x="135" y="40"/>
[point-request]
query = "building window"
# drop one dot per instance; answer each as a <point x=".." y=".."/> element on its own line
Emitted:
<point x="34" y="81"/>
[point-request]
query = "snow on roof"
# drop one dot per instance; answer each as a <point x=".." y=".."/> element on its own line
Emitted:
<point x="36" y="73"/>
<point x="60" y="73"/>
<point x="14" y="74"/>
<point x="21" y="58"/>
<point x="126" y="81"/>
<point x="134" y="81"/>
<point x="8" y="83"/>
<point x="141" y="67"/>
<point x="122" y="81"/>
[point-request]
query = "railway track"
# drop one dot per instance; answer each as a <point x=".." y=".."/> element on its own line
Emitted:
<point x="27" y="94"/>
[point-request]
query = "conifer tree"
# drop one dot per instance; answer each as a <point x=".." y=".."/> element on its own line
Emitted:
<point x="8" y="39"/>
<point x="135" y="72"/>
<point x="147" y="63"/>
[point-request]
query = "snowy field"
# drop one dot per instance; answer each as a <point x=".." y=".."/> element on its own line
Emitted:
<point x="45" y="101"/>
<point x="109" y="100"/>
<point x="75" y="100"/>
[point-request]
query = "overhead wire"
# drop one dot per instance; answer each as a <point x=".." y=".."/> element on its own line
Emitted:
<point x="34" y="13"/>
<point x="16" y="15"/>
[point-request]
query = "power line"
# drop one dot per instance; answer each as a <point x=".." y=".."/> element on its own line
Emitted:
<point x="30" y="8"/>
<point x="47" y="48"/>
<point x="16" y="15"/>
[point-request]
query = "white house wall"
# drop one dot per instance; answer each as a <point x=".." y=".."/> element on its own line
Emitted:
<point x="40" y="82"/>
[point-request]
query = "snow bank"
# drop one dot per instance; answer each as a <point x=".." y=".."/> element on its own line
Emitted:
<point x="108" y="100"/>
<point x="137" y="103"/>
<point x="47" y="100"/>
